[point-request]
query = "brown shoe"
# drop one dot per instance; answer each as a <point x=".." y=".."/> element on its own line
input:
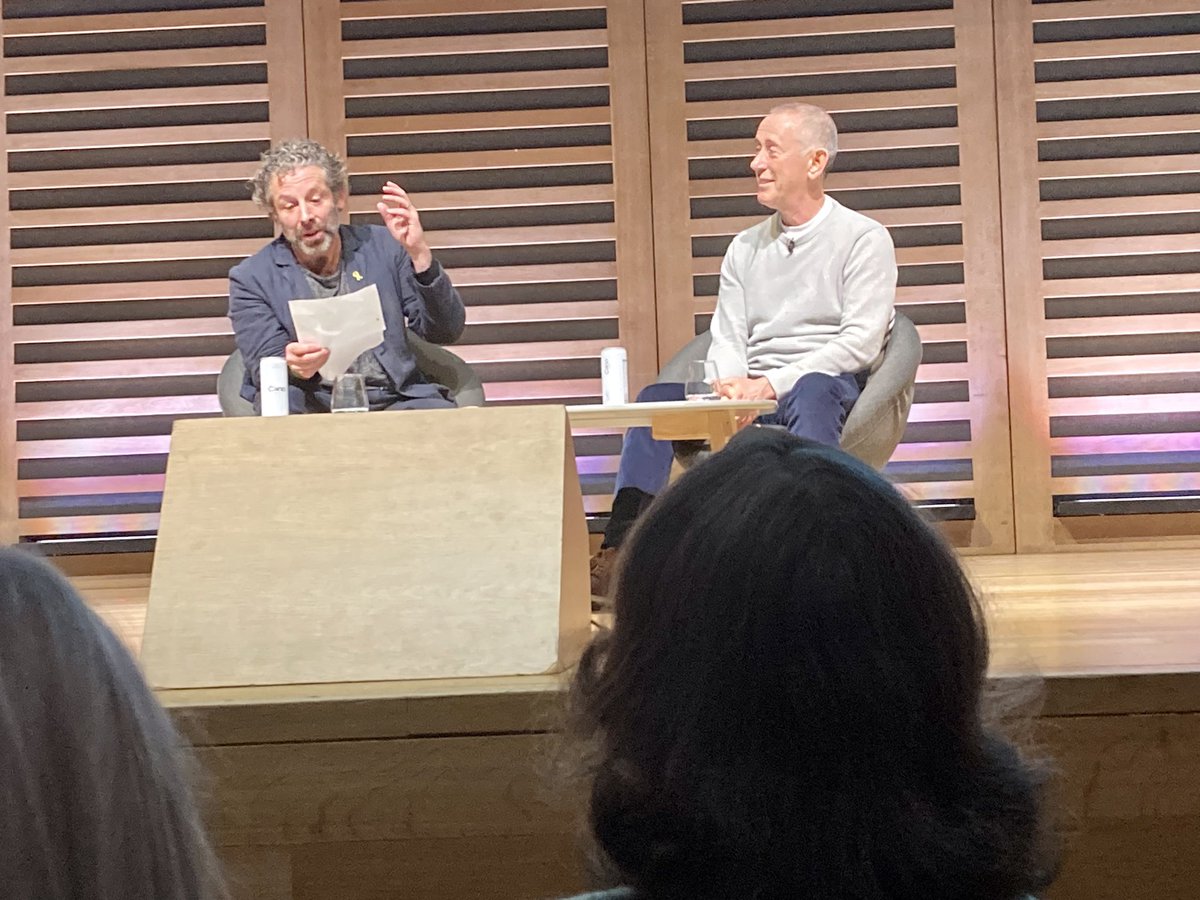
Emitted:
<point x="602" y="567"/>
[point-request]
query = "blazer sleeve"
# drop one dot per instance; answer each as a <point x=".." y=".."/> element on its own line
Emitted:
<point x="432" y="306"/>
<point x="256" y="328"/>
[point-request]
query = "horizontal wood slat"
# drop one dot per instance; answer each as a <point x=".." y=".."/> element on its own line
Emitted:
<point x="1117" y="47"/>
<point x="804" y="26"/>
<point x="455" y="123"/>
<point x="1125" y="404"/>
<point x="192" y="57"/>
<point x="1083" y="10"/>
<point x="821" y="65"/>
<point x="140" y="445"/>
<point x="1154" y="204"/>
<point x="488" y="82"/>
<point x="105" y="24"/>
<point x="139" y="137"/>
<point x="120" y="176"/>
<point x="1107" y="88"/>
<point x="105" y="370"/>
<point x="1133" y="364"/>
<point x="135" y="99"/>
<point x="1095" y="326"/>
<point x="35" y="527"/>
<point x="1095" y="445"/>
<point x="133" y="407"/>
<point x="142" y="290"/>
<point x="1156" y="483"/>
<point x="369" y="10"/>
<point x="462" y="44"/>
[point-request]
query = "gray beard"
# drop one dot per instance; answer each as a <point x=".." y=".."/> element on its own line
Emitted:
<point x="301" y="249"/>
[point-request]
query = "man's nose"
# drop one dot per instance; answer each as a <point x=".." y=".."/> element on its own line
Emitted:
<point x="306" y="211"/>
<point x="756" y="164"/>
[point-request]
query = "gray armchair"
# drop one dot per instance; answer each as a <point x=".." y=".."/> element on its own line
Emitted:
<point x="438" y="364"/>
<point x="877" y="421"/>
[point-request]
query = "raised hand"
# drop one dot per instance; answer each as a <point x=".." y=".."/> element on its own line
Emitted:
<point x="403" y="221"/>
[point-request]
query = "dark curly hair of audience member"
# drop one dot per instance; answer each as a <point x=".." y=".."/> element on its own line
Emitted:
<point x="95" y="798"/>
<point x="790" y="702"/>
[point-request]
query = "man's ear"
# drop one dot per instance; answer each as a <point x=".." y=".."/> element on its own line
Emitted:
<point x="820" y="160"/>
<point x="340" y="199"/>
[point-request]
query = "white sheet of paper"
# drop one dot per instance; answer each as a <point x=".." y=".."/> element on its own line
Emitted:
<point x="348" y="324"/>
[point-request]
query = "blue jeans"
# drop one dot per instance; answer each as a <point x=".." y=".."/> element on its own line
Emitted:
<point x="816" y="408"/>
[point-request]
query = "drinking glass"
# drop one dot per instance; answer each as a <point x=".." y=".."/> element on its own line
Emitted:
<point x="349" y="394"/>
<point x="702" y="376"/>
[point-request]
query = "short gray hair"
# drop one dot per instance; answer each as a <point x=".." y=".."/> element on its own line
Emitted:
<point x="296" y="153"/>
<point x="814" y="124"/>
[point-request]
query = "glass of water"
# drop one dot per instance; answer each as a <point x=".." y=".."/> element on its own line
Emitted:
<point x="702" y="378"/>
<point x="349" y="394"/>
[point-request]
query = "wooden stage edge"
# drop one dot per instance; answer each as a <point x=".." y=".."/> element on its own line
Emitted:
<point x="445" y="788"/>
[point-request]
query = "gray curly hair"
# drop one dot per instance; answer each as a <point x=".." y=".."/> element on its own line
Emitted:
<point x="287" y="156"/>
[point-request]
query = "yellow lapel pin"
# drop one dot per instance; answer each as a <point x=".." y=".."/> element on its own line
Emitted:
<point x="356" y="275"/>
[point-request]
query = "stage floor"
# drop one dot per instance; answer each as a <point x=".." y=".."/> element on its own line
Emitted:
<point x="1101" y="612"/>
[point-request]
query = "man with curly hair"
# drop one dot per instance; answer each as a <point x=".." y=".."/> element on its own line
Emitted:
<point x="304" y="188"/>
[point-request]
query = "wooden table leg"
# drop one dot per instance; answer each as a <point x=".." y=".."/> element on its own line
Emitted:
<point x="721" y="427"/>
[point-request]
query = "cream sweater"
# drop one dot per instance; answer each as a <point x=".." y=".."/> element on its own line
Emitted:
<point x="825" y="305"/>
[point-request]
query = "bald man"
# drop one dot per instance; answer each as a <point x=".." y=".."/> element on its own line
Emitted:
<point x="804" y="310"/>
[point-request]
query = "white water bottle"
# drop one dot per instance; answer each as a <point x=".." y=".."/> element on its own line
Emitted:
<point x="614" y="376"/>
<point x="273" y="386"/>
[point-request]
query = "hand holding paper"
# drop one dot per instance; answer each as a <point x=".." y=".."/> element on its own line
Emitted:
<point x="304" y="360"/>
<point x="347" y="325"/>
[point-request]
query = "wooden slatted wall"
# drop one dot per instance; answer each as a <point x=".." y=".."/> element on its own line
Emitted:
<point x="1100" y="154"/>
<point x="519" y="126"/>
<point x="129" y="136"/>
<point x="581" y="165"/>
<point x="8" y="424"/>
<point x="909" y="85"/>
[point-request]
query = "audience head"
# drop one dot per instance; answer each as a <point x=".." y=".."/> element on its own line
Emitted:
<point x="790" y="700"/>
<point x="95" y="800"/>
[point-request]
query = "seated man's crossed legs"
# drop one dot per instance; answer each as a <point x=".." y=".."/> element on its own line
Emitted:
<point x="815" y="408"/>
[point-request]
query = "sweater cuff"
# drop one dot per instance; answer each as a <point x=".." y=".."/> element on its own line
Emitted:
<point x="430" y="275"/>
<point x="782" y="380"/>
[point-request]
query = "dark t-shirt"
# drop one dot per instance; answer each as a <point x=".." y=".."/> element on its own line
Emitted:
<point x="366" y="364"/>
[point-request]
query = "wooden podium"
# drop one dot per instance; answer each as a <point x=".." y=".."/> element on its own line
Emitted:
<point x="366" y="547"/>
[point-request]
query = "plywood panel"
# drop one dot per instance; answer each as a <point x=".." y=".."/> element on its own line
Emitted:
<point x="128" y="138"/>
<point x="1100" y="201"/>
<point x="9" y="528"/>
